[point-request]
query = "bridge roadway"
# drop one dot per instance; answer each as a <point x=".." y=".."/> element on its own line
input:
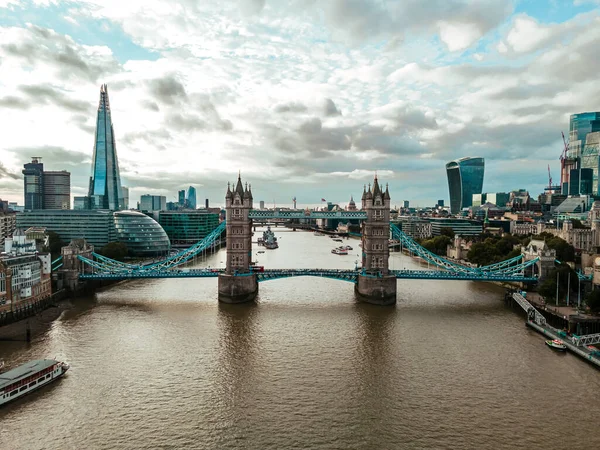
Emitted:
<point x="272" y="274"/>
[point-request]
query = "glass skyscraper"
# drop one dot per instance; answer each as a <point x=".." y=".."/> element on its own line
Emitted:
<point x="105" y="190"/>
<point x="465" y="178"/>
<point x="33" y="179"/>
<point x="584" y="133"/>
<point x="191" y="198"/>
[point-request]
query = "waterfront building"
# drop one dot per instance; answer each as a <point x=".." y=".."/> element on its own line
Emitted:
<point x="465" y="178"/>
<point x="8" y="224"/>
<point x="24" y="273"/>
<point x="57" y="189"/>
<point x="105" y="191"/>
<point x="151" y="203"/>
<point x="142" y="234"/>
<point x="414" y="227"/>
<point x="186" y="228"/>
<point x="191" y="197"/>
<point x="33" y="179"/>
<point x="464" y="227"/>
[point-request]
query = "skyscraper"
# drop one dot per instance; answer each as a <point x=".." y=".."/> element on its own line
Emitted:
<point x="584" y="131"/>
<point x="191" y="197"/>
<point x="34" y="184"/>
<point x="465" y="178"/>
<point x="181" y="198"/>
<point x="57" y="190"/>
<point x="105" y="182"/>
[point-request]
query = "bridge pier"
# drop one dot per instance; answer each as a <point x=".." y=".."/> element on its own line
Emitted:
<point x="376" y="290"/>
<point x="237" y="288"/>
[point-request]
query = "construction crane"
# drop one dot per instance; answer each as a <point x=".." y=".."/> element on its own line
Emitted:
<point x="565" y="151"/>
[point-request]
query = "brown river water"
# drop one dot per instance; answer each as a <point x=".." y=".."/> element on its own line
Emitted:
<point x="160" y="364"/>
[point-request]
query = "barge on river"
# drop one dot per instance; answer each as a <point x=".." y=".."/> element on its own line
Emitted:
<point x="28" y="377"/>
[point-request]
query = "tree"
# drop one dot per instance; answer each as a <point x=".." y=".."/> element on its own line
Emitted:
<point x="55" y="244"/>
<point x="447" y="231"/>
<point x="547" y="288"/>
<point x="115" y="250"/>
<point x="593" y="300"/>
<point x="437" y="245"/>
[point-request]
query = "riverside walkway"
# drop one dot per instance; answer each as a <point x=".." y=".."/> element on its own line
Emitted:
<point x="581" y="346"/>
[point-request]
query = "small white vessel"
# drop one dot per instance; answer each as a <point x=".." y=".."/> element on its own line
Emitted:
<point x="556" y="344"/>
<point x="339" y="251"/>
<point x="28" y="377"/>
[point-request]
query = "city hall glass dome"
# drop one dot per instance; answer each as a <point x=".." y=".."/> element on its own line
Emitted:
<point x="142" y="234"/>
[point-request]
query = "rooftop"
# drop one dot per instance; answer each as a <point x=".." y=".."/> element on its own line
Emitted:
<point x="26" y="369"/>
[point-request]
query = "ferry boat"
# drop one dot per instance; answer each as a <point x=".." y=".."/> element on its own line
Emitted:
<point x="28" y="377"/>
<point x="556" y="344"/>
<point x="339" y="251"/>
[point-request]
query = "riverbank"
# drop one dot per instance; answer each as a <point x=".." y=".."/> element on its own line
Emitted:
<point x="24" y="329"/>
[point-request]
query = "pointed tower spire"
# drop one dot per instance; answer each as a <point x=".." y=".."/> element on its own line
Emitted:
<point x="229" y="193"/>
<point x="239" y="188"/>
<point x="386" y="194"/>
<point x="364" y="192"/>
<point x="376" y="189"/>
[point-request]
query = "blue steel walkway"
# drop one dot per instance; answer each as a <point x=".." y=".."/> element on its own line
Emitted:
<point x="275" y="274"/>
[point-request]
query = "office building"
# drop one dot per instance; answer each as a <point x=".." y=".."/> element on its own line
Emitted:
<point x="24" y="277"/>
<point x="440" y="203"/>
<point x="8" y="224"/>
<point x="465" y="178"/>
<point x="181" y="198"/>
<point x="478" y="199"/>
<point x="153" y="203"/>
<point x="579" y="126"/>
<point x="81" y="203"/>
<point x="186" y="228"/>
<point x="191" y="197"/>
<point x="463" y="227"/>
<point x="262" y="204"/>
<point x="206" y="204"/>
<point x="590" y="161"/>
<point x="406" y="204"/>
<point x="125" y="191"/>
<point x="33" y="179"/>
<point x="105" y="189"/>
<point x="142" y="234"/>
<point x="57" y="190"/>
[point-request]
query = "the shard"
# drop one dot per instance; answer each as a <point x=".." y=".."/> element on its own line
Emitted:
<point x="105" y="190"/>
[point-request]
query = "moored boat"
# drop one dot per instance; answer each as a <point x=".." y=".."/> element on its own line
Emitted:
<point x="339" y="251"/>
<point x="28" y="377"/>
<point x="556" y="344"/>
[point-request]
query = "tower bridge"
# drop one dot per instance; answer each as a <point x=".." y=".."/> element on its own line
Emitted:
<point x="238" y="282"/>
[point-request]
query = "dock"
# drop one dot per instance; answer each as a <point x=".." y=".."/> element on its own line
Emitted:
<point x="578" y="345"/>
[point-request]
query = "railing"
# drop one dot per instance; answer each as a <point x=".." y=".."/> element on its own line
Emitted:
<point x="302" y="214"/>
<point x="532" y="314"/>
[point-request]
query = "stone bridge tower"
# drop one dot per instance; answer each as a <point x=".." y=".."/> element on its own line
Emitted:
<point x="238" y="284"/>
<point x="375" y="284"/>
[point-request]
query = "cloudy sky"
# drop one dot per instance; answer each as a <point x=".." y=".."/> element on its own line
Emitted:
<point x="307" y="98"/>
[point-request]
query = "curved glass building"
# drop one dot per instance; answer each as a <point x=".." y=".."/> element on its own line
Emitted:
<point x="465" y="178"/>
<point x="142" y="234"/>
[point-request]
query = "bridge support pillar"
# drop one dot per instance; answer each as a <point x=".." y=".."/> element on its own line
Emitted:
<point x="376" y="290"/>
<point x="237" y="288"/>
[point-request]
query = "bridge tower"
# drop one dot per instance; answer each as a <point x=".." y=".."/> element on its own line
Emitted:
<point x="375" y="284"/>
<point x="238" y="284"/>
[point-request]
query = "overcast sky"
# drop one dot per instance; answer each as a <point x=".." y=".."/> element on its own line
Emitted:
<point x="307" y="98"/>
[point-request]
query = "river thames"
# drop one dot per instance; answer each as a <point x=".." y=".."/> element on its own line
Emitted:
<point x="160" y="364"/>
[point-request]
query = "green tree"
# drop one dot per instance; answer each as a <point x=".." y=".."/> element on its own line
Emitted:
<point x="437" y="245"/>
<point x="115" y="250"/>
<point x="547" y="288"/>
<point x="593" y="300"/>
<point x="447" y="231"/>
<point x="55" y="244"/>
